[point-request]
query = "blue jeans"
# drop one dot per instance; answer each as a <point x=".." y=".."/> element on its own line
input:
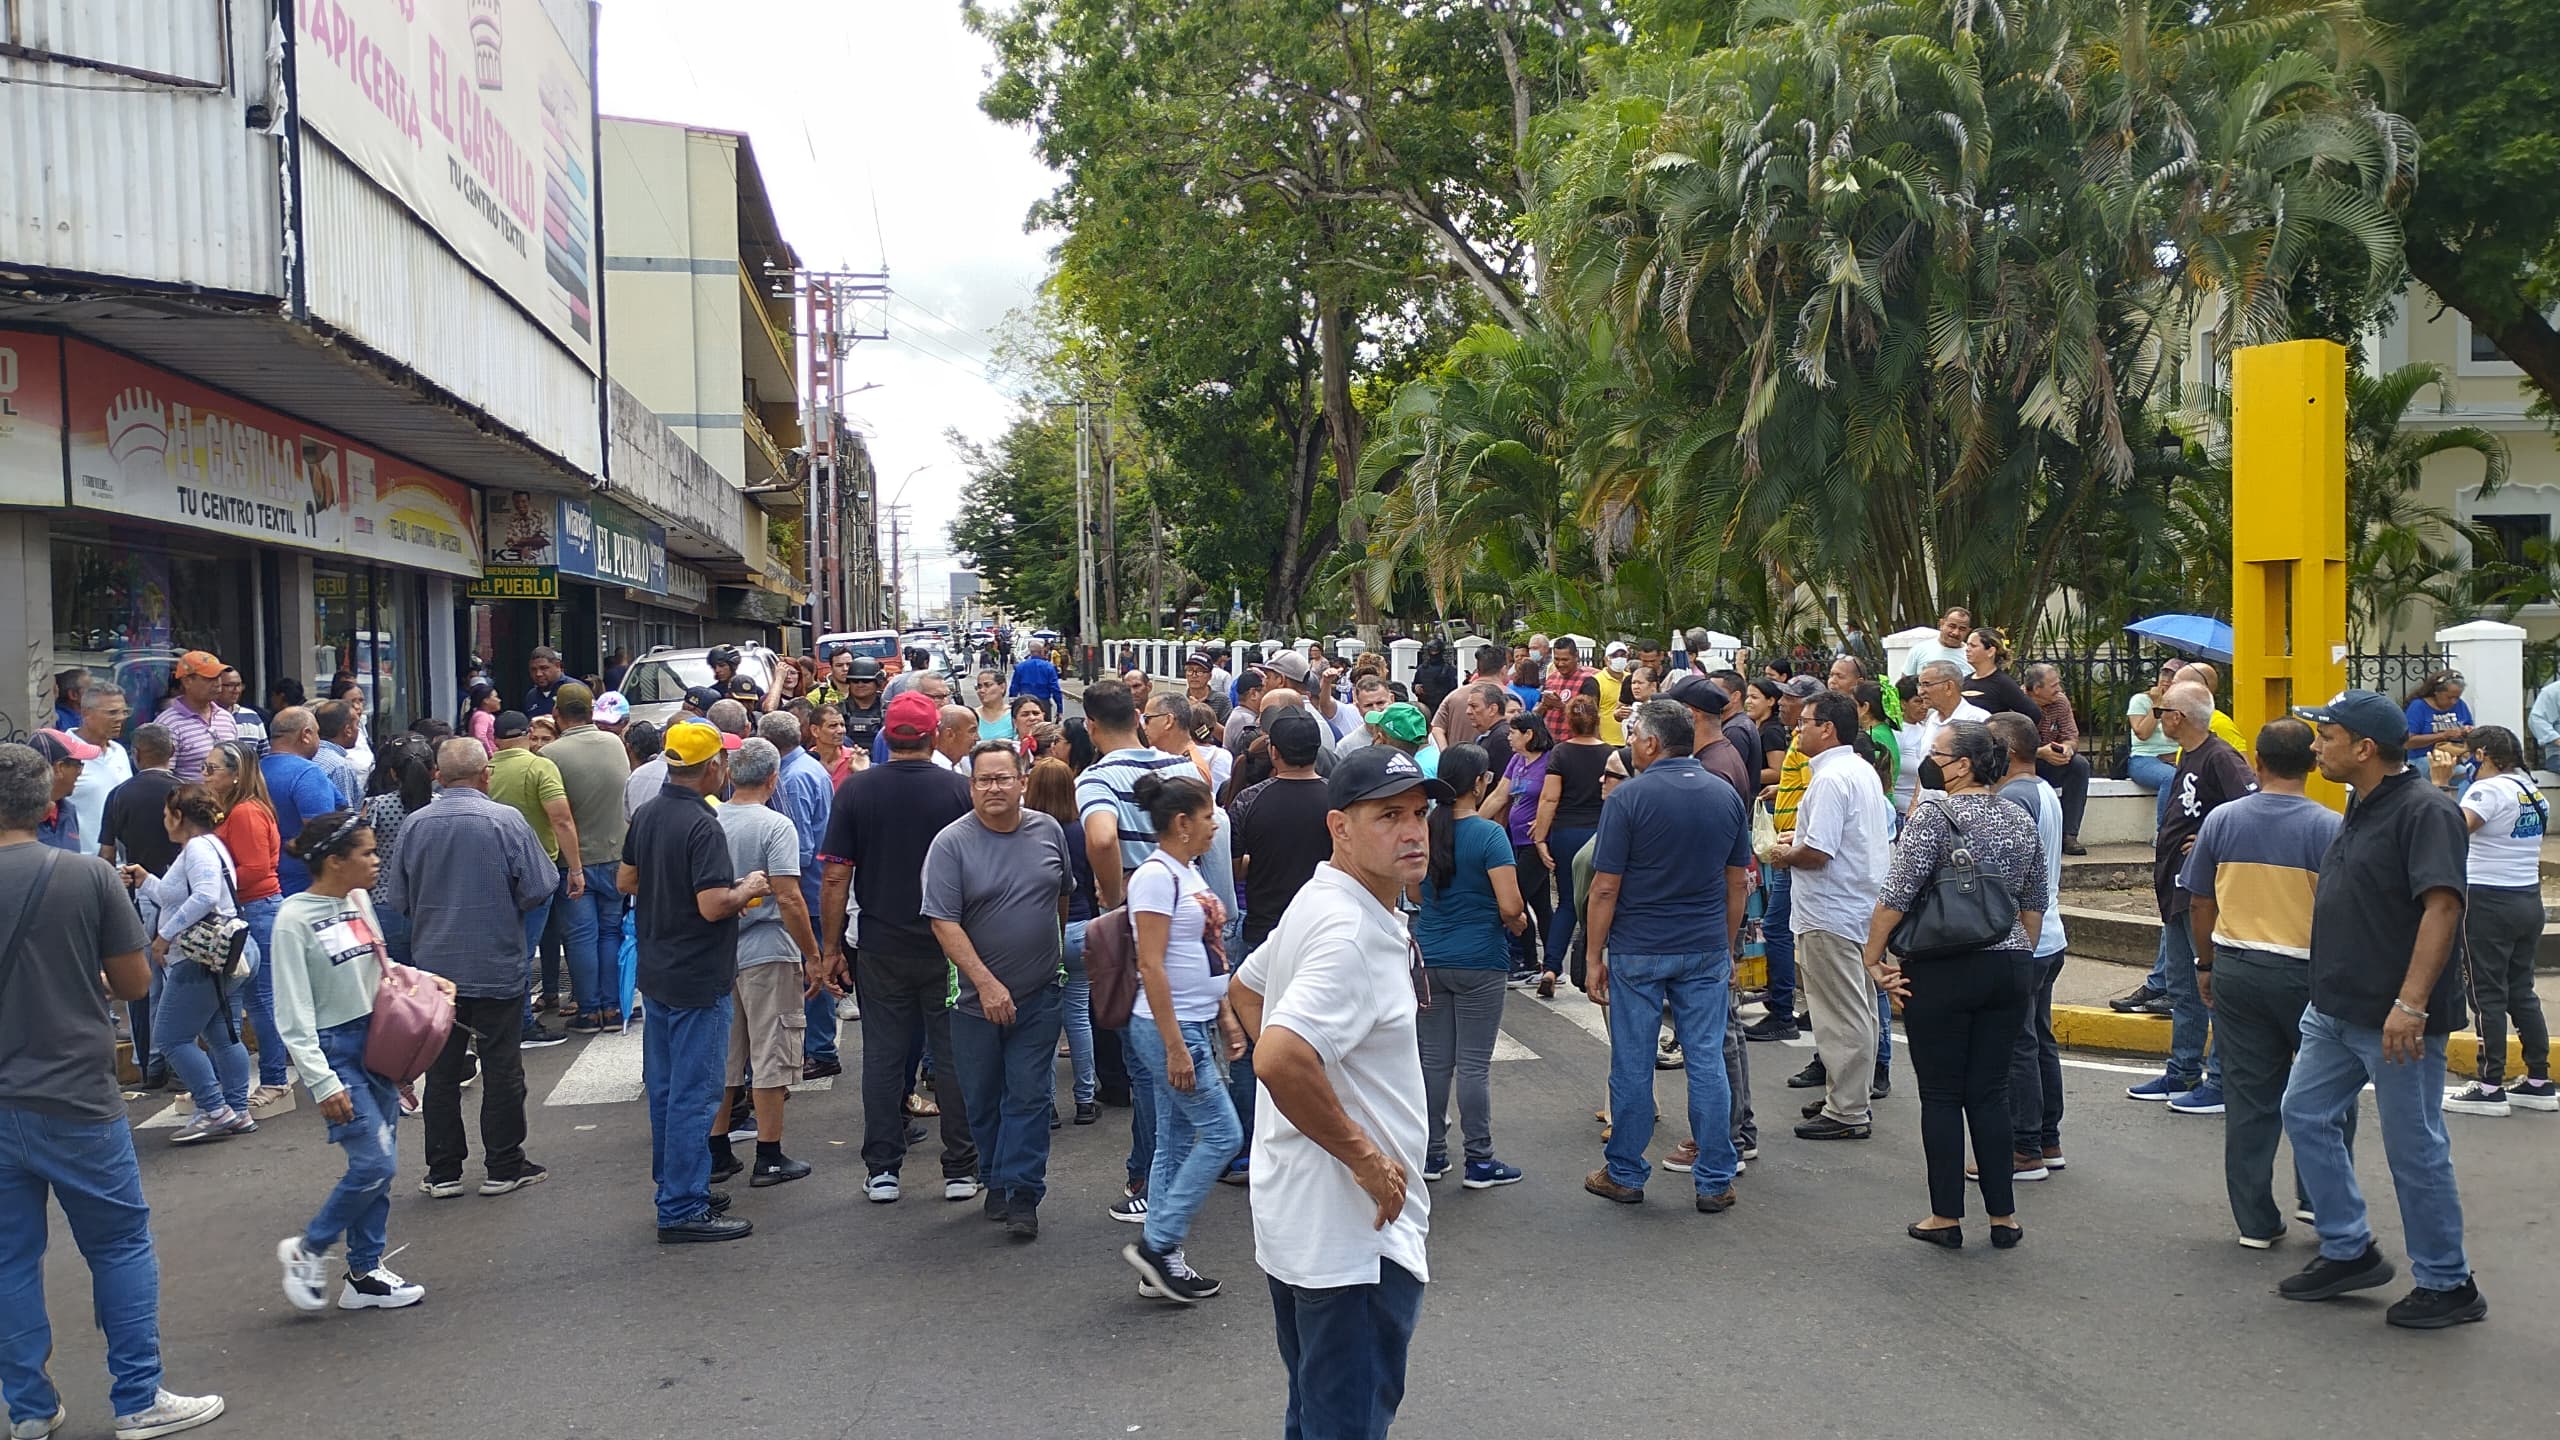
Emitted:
<point x="1078" y="1015"/>
<point x="189" y="1009"/>
<point x="2190" y="1019"/>
<point x="1196" y="1132"/>
<point x="273" y="1068"/>
<point x="595" y="940"/>
<point x="818" y="1038"/>
<point x="536" y="920"/>
<point x="1344" y="1349"/>
<point x="1779" y="924"/>
<point x="1698" y="989"/>
<point x="683" y="1050"/>
<point x="1008" y="1081"/>
<point x="360" y="1207"/>
<point x="2329" y="1073"/>
<point x="1142" y="1106"/>
<point x="1564" y="845"/>
<point x="2153" y="773"/>
<point x="89" y="1167"/>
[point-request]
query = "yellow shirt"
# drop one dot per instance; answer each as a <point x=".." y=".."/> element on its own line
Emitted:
<point x="2229" y="730"/>
<point x="1612" y="690"/>
<point x="1794" y="772"/>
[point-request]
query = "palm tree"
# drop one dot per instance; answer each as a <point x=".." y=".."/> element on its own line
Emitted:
<point x="1894" y="282"/>
<point x="2400" y="547"/>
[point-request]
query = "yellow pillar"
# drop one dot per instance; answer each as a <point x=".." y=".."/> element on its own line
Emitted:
<point x="2288" y="532"/>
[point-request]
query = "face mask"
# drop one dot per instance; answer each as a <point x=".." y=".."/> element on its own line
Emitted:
<point x="1617" y="664"/>
<point x="1538" y="655"/>
<point x="1932" y="777"/>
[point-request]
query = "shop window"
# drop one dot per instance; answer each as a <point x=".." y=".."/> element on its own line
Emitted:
<point x="127" y="612"/>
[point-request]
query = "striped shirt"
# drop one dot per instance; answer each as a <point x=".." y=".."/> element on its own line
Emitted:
<point x="2258" y="859"/>
<point x="1109" y="783"/>
<point x="196" y="736"/>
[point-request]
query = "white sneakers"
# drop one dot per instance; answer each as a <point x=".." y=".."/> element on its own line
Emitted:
<point x="168" y="1415"/>
<point x="306" y="1276"/>
<point x="42" y="1427"/>
<point x="964" y="1188"/>
<point x="306" y="1283"/>
<point x="379" y="1289"/>
<point x="880" y="1189"/>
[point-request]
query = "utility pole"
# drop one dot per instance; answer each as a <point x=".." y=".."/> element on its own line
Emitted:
<point x="1086" y="594"/>
<point x="897" y="570"/>
<point x="838" y="495"/>
<point x="1110" y="548"/>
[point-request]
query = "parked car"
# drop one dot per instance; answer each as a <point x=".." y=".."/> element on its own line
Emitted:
<point x="656" y="682"/>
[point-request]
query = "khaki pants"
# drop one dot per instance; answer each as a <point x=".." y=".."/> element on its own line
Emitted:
<point x="1843" y="1002"/>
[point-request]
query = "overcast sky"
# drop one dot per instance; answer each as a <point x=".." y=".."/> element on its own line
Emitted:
<point x="865" y="119"/>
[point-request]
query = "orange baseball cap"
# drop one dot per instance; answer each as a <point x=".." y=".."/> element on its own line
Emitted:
<point x="199" y="665"/>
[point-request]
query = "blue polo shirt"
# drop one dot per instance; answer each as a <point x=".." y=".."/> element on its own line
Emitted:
<point x="300" y="791"/>
<point x="1670" y="834"/>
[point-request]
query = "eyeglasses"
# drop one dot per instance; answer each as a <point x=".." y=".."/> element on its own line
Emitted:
<point x="994" y="782"/>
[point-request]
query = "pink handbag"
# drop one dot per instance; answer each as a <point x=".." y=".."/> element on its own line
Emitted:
<point x="412" y="1016"/>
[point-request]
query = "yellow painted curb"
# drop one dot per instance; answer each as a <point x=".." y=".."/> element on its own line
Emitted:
<point x="2095" y="1027"/>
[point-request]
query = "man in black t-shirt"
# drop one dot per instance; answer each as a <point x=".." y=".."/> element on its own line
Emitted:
<point x="675" y="862"/>
<point x="132" y="831"/>
<point x="1280" y="839"/>
<point x="879" y="831"/>
<point x="2210" y="774"/>
<point x="2384" y="997"/>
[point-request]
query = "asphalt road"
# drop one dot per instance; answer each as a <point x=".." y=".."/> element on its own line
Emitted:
<point x="2128" y="1312"/>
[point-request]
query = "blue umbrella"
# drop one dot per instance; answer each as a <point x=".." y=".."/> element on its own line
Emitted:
<point x="2187" y="634"/>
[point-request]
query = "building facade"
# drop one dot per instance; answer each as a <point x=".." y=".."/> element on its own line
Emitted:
<point x="303" y="344"/>
<point x="700" y="286"/>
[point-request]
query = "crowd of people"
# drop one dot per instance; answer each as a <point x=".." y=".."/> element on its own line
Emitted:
<point x="1275" y="914"/>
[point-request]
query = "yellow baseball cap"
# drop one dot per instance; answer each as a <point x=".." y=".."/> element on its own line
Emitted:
<point x="692" y="744"/>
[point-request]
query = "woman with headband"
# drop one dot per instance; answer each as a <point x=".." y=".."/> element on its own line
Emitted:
<point x="327" y="967"/>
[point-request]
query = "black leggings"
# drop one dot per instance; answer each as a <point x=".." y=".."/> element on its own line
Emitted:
<point x="1531" y="872"/>
<point x="1963" y="1019"/>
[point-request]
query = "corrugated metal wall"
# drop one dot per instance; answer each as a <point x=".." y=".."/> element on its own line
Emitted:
<point x="383" y="277"/>
<point x="105" y="174"/>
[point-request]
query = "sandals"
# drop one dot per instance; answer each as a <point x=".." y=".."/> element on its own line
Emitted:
<point x="567" y="1008"/>
<point x="920" y="1108"/>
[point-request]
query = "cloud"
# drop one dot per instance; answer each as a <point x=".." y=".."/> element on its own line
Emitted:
<point x="866" y="124"/>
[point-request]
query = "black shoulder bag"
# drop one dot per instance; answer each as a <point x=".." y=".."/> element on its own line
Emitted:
<point x="1963" y="909"/>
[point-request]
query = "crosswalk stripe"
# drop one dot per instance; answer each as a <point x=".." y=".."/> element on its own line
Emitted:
<point x="1506" y="1048"/>
<point x="608" y="1072"/>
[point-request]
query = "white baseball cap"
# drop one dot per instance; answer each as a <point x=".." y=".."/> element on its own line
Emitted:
<point x="611" y="708"/>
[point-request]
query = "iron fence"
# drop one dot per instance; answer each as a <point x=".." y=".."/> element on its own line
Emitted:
<point x="2100" y="681"/>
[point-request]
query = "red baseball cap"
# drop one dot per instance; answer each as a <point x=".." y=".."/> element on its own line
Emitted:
<point x="60" y="747"/>
<point x="913" y="716"/>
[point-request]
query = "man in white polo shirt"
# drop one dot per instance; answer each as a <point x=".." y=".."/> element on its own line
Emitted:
<point x="1338" y="1222"/>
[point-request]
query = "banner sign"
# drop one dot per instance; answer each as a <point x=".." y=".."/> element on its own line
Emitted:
<point x="516" y="582"/>
<point x="602" y="541"/>
<point x="479" y="115"/>
<point x="30" y="419"/>
<point x="152" y="445"/>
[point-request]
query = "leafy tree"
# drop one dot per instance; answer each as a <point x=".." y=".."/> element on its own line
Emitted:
<point x="1017" y="518"/>
<point x="2481" y="81"/>
<point x="1901" y="282"/>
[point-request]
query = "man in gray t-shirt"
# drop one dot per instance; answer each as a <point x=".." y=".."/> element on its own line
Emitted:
<point x="777" y="953"/>
<point x="66" y="923"/>
<point x="996" y="883"/>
